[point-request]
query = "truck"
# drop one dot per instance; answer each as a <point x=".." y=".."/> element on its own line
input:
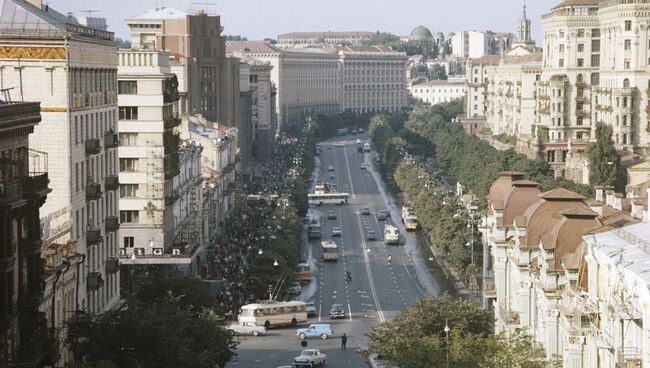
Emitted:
<point x="391" y="235"/>
<point x="330" y="250"/>
<point x="409" y="218"/>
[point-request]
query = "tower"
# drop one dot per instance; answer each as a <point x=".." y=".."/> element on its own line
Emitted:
<point x="523" y="32"/>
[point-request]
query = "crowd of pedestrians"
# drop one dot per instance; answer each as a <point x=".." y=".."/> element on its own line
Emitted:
<point x="248" y="227"/>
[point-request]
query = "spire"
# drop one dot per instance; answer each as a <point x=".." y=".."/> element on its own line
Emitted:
<point x="525" y="10"/>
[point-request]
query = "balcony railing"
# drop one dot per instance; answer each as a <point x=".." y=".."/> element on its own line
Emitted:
<point x="172" y="122"/>
<point x="36" y="184"/>
<point x="93" y="146"/>
<point x="93" y="236"/>
<point x="112" y="265"/>
<point x="489" y="289"/>
<point x="628" y="357"/>
<point x="94" y="281"/>
<point x="112" y="223"/>
<point x="93" y="191"/>
<point x="171" y="197"/>
<point x="112" y="182"/>
<point x="111" y="140"/>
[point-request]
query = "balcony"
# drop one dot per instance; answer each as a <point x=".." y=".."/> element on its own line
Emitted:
<point x="36" y="184"/>
<point x="111" y="140"/>
<point x="112" y="265"/>
<point x="93" y="236"/>
<point x="171" y="142"/>
<point x="94" y="281"/>
<point x="93" y="147"/>
<point x="93" y="191"/>
<point x="628" y="357"/>
<point x="111" y="182"/>
<point x="171" y="197"/>
<point x="509" y="317"/>
<point x="172" y="164"/>
<point x="489" y="289"/>
<point x="112" y="223"/>
<point x="172" y="122"/>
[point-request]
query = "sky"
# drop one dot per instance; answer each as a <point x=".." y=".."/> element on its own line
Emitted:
<point x="258" y="19"/>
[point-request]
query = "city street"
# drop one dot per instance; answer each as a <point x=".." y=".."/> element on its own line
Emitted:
<point x="379" y="288"/>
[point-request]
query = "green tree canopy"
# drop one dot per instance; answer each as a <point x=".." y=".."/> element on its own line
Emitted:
<point x="603" y="160"/>
<point x="437" y="72"/>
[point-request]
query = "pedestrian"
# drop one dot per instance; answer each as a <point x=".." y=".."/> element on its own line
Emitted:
<point x="344" y="341"/>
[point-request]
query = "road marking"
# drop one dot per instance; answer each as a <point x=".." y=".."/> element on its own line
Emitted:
<point x="347" y="165"/>
<point x="369" y="272"/>
<point x="319" y="310"/>
<point x="350" y="311"/>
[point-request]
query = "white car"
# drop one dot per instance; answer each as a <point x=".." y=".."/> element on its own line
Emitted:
<point x="247" y="328"/>
<point x="364" y="166"/>
<point x="310" y="358"/>
<point x="336" y="231"/>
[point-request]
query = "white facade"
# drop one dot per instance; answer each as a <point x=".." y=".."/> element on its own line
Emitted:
<point x="307" y="39"/>
<point x="438" y="91"/>
<point x="474" y="44"/>
<point x="73" y="72"/>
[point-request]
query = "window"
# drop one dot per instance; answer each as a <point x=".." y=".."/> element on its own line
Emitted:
<point x="127" y="217"/>
<point x="561" y="48"/>
<point x="127" y="87"/>
<point x="628" y="45"/>
<point x="595" y="79"/>
<point x="561" y="33"/>
<point x="128" y="139"/>
<point x="581" y="47"/>
<point x="595" y="32"/>
<point x="128" y="113"/>
<point x="581" y="33"/>
<point x="595" y="61"/>
<point x="129" y="242"/>
<point x="628" y="25"/>
<point x="128" y="190"/>
<point x="253" y="78"/>
<point x="561" y="63"/>
<point x="128" y="164"/>
<point x="581" y="62"/>
<point x="626" y="63"/>
<point x="595" y="45"/>
<point x="579" y="120"/>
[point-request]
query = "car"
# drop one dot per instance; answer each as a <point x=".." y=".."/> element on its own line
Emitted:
<point x="381" y="216"/>
<point x="246" y="328"/>
<point x="358" y="141"/>
<point x="330" y="168"/>
<point x="337" y="311"/>
<point x="331" y="187"/>
<point x="310" y="358"/>
<point x="295" y="288"/>
<point x="339" y="144"/>
<point x="360" y="130"/>
<point x="331" y="215"/>
<point x="365" y="211"/>
<point x="310" y="307"/>
<point x="336" y="231"/>
<point x="364" y="166"/>
<point x="371" y="235"/>
<point x="332" y="176"/>
<point x="321" y="330"/>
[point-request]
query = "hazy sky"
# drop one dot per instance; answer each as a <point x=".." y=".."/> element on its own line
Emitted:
<point x="267" y="18"/>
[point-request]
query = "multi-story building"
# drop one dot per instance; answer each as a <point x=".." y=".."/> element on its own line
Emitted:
<point x="310" y="39"/>
<point x="539" y="269"/>
<point x="72" y="70"/>
<point x="27" y="337"/>
<point x="373" y="78"/>
<point x="438" y="91"/>
<point x="307" y="80"/>
<point x="263" y="110"/>
<point x="474" y="44"/>
<point x="477" y="81"/>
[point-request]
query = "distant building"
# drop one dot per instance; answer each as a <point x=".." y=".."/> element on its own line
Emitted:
<point x="438" y="91"/>
<point x="94" y="22"/>
<point x="311" y="39"/>
<point x="474" y="44"/>
<point x="420" y="33"/>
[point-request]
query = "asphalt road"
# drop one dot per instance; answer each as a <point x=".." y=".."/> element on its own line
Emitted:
<point x="379" y="289"/>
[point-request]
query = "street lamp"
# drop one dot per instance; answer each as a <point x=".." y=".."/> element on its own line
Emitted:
<point x="260" y="252"/>
<point x="275" y="263"/>
<point x="447" y="337"/>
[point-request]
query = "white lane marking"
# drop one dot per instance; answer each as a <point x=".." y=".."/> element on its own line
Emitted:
<point x="319" y="310"/>
<point x="350" y="311"/>
<point x="347" y="165"/>
<point x="369" y="272"/>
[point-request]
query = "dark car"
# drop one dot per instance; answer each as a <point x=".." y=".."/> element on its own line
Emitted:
<point x="371" y="235"/>
<point x="383" y="215"/>
<point x="365" y="211"/>
<point x="337" y="311"/>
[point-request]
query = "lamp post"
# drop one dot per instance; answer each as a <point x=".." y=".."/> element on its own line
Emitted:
<point x="447" y="337"/>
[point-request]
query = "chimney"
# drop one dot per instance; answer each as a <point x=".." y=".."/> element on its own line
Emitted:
<point x="36" y="3"/>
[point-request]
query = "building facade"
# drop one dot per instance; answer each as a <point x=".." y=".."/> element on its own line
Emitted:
<point x="475" y="44"/>
<point x="310" y="39"/>
<point x="72" y="70"/>
<point x="438" y="91"/>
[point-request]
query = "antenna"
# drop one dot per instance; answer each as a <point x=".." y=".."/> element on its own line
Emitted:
<point x="90" y="12"/>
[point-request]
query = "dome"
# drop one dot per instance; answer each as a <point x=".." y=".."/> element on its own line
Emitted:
<point x="420" y="33"/>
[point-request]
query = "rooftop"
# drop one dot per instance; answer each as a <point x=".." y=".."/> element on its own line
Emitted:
<point x="163" y="13"/>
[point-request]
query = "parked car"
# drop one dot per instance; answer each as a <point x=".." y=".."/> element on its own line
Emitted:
<point x="337" y="311"/>
<point x="295" y="288"/>
<point x="247" y="328"/>
<point x="310" y="358"/>
<point x="364" y="166"/>
<point x="331" y="215"/>
<point x="371" y="235"/>
<point x="336" y="231"/>
<point x="321" y="330"/>
<point x="365" y="211"/>
<point x="310" y="307"/>
<point x="331" y="176"/>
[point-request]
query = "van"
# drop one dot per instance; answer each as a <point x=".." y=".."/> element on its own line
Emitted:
<point x="316" y="330"/>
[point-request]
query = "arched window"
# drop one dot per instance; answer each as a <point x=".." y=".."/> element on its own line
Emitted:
<point x="580" y="78"/>
<point x="626" y="83"/>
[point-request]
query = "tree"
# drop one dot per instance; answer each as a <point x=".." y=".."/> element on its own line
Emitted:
<point x="382" y="38"/>
<point x="417" y="338"/>
<point x="420" y="71"/>
<point x="603" y="160"/>
<point x="162" y="334"/>
<point x="437" y="72"/>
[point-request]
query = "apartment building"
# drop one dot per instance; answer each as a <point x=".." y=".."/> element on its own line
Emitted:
<point x="27" y="336"/>
<point x="475" y="44"/>
<point x="72" y="70"/>
<point x="543" y="276"/>
<point x="438" y="91"/>
<point x="263" y="110"/>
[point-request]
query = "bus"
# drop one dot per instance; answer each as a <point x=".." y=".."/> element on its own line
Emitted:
<point x="314" y="229"/>
<point x="391" y="235"/>
<point x="366" y="147"/>
<point x="303" y="273"/>
<point x="409" y="218"/>
<point x="328" y="198"/>
<point x="330" y="251"/>
<point x="274" y="314"/>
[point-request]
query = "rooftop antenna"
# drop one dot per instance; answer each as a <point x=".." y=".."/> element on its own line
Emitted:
<point x="90" y="12"/>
